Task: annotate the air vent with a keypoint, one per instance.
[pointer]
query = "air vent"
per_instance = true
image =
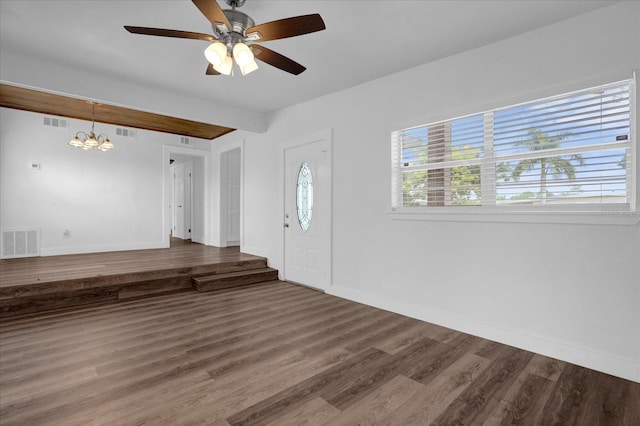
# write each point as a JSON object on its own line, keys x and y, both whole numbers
{"x": 125, "y": 133}
{"x": 20, "y": 243}
{"x": 55, "y": 122}
{"x": 185, "y": 141}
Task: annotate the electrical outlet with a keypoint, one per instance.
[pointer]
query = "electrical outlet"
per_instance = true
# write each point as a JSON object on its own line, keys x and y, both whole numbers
{"x": 66, "y": 234}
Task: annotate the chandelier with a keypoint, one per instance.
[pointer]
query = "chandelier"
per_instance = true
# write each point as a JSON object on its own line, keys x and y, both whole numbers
{"x": 91, "y": 141}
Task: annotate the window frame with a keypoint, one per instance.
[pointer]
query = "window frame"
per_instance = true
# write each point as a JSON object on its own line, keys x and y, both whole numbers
{"x": 604, "y": 213}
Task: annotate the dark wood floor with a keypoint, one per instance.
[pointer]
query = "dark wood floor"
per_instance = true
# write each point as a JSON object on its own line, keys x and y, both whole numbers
{"x": 182, "y": 254}
{"x": 282, "y": 354}
{"x": 33, "y": 285}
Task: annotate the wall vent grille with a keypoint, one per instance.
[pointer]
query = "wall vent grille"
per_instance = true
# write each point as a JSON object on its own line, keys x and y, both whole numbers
{"x": 185, "y": 141}
{"x": 125, "y": 132}
{"x": 55, "y": 122}
{"x": 20, "y": 243}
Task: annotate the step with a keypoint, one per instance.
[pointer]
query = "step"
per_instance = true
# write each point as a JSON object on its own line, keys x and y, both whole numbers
{"x": 234, "y": 279}
{"x": 60, "y": 299}
{"x": 68, "y": 293}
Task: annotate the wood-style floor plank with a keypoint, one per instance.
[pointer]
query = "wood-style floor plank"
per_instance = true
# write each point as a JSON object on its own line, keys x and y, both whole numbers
{"x": 281, "y": 354}
{"x": 384, "y": 400}
{"x": 483, "y": 395}
{"x": 524, "y": 402}
{"x": 316, "y": 412}
{"x": 425, "y": 406}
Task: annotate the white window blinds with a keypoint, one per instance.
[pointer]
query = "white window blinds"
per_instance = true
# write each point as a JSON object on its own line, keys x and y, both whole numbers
{"x": 573, "y": 149}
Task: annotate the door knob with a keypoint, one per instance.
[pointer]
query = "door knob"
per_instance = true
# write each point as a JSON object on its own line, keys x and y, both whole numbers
{"x": 286, "y": 225}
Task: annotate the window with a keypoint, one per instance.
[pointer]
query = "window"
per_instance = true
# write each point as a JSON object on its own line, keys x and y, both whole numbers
{"x": 304, "y": 196}
{"x": 561, "y": 153}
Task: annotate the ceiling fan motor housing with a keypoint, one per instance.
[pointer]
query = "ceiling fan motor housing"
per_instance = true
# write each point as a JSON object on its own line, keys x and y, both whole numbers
{"x": 239, "y": 21}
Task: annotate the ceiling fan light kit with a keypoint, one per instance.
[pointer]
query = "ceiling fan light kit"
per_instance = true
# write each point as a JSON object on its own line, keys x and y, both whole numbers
{"x": 242, "y": 54}
{"x": 250, "y": 67}
{"x": 216, "y": 53}
{"x": 226, "y": 67}
{"x": 232, "y": 30}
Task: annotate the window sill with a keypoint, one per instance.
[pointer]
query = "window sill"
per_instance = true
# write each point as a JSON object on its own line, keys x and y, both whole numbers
{"x": 603, "y": 216}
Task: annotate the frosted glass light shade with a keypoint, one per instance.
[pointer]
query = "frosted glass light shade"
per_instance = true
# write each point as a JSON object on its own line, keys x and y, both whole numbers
{"x": 250, "y": 67}
{"x": 76, "y": 143}
{"x": 92, "y": 142}
{"x": 216, "y": 53}
{"x": 225, "y": 67}
{"x": 106, "y": 145}
{"x": 242, "y": 54}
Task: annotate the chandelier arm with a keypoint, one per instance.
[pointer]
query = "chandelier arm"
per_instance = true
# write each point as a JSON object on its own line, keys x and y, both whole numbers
{"x": 83, "y": 134}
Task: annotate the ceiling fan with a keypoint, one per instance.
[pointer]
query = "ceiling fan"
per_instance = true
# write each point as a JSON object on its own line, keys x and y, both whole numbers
{"x": 232, "y": 30}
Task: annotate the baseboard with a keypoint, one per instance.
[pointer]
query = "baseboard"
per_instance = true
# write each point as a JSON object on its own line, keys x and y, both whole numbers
{"x": 604, "y": 362}
{"x": 58, "y": 251}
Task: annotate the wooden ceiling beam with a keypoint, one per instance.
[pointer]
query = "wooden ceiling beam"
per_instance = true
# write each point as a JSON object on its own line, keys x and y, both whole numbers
{"x": 65, "y": 106}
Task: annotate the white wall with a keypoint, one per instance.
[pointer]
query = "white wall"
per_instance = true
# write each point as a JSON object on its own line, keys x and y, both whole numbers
{"x": 566, "y": 290}
{"x": 108, "y": 201}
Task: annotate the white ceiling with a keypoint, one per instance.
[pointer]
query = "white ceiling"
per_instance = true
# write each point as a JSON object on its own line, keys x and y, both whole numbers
{"x": 364, "y": 40}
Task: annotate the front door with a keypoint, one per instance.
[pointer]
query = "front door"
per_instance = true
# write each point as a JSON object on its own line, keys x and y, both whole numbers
{"x": 307, "y": 214}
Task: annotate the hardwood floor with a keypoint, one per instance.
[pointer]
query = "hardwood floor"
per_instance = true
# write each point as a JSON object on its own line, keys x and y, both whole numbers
{"x": 281, "y": 354}
{"x": 31, "y": 285}
{"x": 182, "y": 254}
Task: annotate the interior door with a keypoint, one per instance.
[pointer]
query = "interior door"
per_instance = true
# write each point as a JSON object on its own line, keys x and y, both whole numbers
{"x": 307, "y": 214}
{"x": 182, "y": 201}
{"x": 233, "y": 197}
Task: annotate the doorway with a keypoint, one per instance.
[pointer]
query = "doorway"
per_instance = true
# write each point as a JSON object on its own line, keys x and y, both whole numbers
{"x": 196, "y": 209}
{"x": 307, "y": 212}
{"x": 181, "y": 199}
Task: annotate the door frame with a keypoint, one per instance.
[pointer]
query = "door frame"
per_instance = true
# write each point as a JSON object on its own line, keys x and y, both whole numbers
{"x": 220, "y": 239}
{"x": 324, "y": 135}
{"x": 167, "y": 150}
{"x": 190, "y": 192}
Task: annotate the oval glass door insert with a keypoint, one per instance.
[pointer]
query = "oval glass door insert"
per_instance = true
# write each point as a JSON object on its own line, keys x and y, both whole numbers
{"x": 304, "y": 196}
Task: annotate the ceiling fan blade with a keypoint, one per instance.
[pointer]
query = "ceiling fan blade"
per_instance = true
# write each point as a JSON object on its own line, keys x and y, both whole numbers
{"x": 213, "y": 12}
{"x": 288, "y": 27}
{"x": 211, "y": 70}
{"x": 169, "y": 33}
{"x": 277, "y": 60}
